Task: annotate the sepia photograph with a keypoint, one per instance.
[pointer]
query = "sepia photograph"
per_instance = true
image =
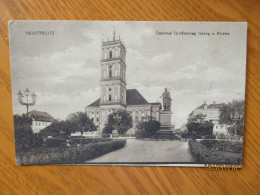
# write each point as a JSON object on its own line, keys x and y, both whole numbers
{"x": 128, "y": 93}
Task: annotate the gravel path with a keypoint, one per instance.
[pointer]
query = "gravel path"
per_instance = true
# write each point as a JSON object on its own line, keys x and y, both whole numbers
{"x": 148, "y": 151}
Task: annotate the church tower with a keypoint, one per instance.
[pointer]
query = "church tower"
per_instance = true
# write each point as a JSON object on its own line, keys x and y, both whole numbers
{"x": 113, "y": 77}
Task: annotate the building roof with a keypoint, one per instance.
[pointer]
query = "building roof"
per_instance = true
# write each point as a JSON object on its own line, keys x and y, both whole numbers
{"x": 95, "y": 103}
{"x": 40, "y": 116}
{"x": 133, "y": 97}
{"x": 156, "y": 103}
{"x": 210, "y": 106}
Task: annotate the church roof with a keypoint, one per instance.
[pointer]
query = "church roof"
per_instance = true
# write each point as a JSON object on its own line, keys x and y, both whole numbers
{"x": 133, "y": 97}
{"x": 40, "y": 116}
{"x": 95, "y": 103}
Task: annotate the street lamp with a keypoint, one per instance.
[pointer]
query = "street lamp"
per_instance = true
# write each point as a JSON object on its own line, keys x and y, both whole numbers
{"x": 25, "y": 101}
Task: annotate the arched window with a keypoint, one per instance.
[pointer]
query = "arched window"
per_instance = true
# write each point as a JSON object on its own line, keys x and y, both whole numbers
{"x": 110, "y": 54}
{"x": 110, "y": 98}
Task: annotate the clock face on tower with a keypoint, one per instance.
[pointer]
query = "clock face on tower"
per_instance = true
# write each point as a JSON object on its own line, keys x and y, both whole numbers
{"x": 113, "y": 70}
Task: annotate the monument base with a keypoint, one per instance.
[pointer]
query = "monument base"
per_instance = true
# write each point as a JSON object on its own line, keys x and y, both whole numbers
{"x": 165, "y": 120}
{"x": 166, "y": 129}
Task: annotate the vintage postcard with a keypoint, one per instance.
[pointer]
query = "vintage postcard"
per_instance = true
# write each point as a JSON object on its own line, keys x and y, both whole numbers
{"x": 128, "y": 93}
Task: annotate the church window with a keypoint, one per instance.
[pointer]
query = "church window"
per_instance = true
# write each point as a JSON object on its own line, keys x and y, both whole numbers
{"x": 110, "y": 98}
{"x": 110, "y": 54}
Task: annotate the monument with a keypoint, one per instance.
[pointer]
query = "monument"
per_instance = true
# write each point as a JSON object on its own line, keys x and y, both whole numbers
{"x": 166, "y": 113}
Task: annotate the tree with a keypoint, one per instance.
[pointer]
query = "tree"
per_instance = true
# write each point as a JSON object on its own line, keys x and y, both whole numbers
{"x": 205, "y": 128}
{"x": 60, "y": 128}
{"x": 147, "y": 129}
{"x": 25, "y": 139}
{"x": 196, "y": 118}
{"x": 151, "y": 127}
{"x": 140, "y": 132}
{"x": 197, "y": 126}
{"x": 232, "y": 114}
{"x": 82, "y": 122}
{"x": 118, "y": 120}
{"x": 78, "y": 121}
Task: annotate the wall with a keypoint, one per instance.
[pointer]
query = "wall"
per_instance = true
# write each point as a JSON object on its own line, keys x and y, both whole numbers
{"x": 37, "y": 126}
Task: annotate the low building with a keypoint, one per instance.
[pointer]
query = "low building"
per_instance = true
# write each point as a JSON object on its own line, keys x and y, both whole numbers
{"x": 210, "y": 112}
{"x": 40, "y": 120}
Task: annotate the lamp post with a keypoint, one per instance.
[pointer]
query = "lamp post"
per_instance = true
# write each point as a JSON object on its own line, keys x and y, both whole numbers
{"x": 24, "y": 99}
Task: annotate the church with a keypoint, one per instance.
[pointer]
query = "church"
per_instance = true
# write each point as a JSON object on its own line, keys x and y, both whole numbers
{"x": 114, "y": 94}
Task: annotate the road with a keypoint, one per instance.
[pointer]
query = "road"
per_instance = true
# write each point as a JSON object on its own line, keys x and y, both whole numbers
{"x": 148, "y": 151}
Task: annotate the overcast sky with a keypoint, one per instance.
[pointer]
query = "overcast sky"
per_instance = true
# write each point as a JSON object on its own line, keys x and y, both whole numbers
{"x": 64, "y": 69}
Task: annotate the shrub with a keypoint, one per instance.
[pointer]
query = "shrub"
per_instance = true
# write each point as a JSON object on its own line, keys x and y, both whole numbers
{"x": 147, "y": 129}
{"x": 82, "y": 141}
{"x": 140, "y": 133}
{"x": 55, "y": 142}
{"x": 107, "y": 129}
{"x": 216, "y": 151}
{"x": 68, "y": 155}
{"x": 210, "y": 137}
{"x": 151, "y": 127}
{"x": 25, "y": 139}
{"x": 200, "y": 128}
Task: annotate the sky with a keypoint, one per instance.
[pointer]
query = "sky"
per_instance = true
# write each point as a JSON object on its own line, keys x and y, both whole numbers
{"x": 63, "y": 69}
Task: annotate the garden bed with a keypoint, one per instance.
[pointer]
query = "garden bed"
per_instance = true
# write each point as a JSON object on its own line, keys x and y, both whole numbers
{"x": 67, "y": 155}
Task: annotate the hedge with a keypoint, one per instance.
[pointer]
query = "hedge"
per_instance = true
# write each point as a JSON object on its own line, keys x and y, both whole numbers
{"x": 55, "y": 142}
{"x": 68, "y": 155}
{"x": 81, "y": 141}
{"x": 216, "y": 151}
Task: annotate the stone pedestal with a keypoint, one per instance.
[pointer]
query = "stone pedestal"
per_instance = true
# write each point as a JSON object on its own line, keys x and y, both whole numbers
{"x": 165, "y": 120}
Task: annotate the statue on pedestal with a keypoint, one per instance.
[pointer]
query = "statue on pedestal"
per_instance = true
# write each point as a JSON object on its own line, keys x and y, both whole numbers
{"x": 167, "y": 100}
